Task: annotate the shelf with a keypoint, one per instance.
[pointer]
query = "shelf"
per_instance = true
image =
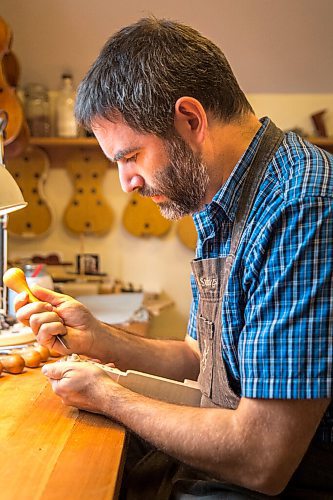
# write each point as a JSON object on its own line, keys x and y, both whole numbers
{"x": 48, "y": 142}
{"x": 91, "y": 141}
{"x": 322, "y": 142}
{"x": 58, "y": 148}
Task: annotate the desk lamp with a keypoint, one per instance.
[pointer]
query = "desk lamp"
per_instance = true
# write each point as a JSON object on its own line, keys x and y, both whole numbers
{"x": 11, "y": 199}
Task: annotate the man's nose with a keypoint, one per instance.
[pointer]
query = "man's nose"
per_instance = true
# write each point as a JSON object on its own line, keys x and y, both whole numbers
{"x": 130, "y": 181}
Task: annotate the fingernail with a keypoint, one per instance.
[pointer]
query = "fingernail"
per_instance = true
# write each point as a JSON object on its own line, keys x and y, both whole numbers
{"x": 44, "y": 370}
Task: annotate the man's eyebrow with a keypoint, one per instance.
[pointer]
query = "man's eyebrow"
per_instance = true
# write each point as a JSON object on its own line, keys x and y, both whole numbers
{"x": 124, "y": 152}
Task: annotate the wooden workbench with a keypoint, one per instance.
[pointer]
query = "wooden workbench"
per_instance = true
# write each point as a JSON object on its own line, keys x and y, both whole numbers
{"x": 51, "y": 451}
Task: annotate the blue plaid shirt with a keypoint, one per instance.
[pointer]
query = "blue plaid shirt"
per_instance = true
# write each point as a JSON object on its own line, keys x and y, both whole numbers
{"x": 277, "y": 312}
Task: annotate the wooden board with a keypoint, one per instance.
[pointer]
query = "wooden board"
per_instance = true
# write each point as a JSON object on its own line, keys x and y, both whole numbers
{"x": 52, "y": 451}
{"x": 186, "y": 393}
{"x": 19, "y": 336}
{"x": 186, "y": 232}
{"x": 142, "y": 218}
{"x": 88, "y": 211}
{"x": 30, "y": 172}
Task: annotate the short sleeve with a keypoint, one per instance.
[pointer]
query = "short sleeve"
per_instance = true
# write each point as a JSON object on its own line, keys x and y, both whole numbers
{"x": 285, "y": 348}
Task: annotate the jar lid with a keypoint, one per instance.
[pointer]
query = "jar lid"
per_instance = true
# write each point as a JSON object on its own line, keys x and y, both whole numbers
{"x": 35, "y": 90}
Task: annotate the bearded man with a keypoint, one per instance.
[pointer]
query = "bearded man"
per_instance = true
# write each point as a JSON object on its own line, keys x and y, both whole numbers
{"x": 165, "y": 105}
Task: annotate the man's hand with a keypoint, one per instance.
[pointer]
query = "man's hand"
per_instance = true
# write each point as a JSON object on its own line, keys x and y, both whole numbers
{"x": 83, "y": 385}
{"x": 58, "y": 314}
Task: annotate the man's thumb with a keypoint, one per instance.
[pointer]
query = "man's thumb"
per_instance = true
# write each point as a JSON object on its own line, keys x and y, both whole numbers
{"x": 47, "y": 295}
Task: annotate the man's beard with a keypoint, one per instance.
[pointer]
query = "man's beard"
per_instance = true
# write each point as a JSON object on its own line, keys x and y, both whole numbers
{"x": 183, "y": 181}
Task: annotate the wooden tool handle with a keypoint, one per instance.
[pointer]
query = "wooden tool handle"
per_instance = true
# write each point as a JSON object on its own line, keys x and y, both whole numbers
{"x": 14, "y": 279}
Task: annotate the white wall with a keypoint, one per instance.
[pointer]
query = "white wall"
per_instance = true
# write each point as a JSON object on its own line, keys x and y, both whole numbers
{"x": 273, "y": 46}
{"x": 280, "y": 51}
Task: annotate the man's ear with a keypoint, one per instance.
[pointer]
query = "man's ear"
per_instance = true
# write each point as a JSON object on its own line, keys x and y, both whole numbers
{"x": 190, "y": 121}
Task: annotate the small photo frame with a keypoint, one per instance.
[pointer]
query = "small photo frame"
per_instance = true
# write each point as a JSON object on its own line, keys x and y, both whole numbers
{"x": 87, "y": 263}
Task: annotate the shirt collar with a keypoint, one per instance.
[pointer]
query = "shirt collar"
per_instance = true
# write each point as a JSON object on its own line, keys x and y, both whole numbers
{"x": 224, "y": 204}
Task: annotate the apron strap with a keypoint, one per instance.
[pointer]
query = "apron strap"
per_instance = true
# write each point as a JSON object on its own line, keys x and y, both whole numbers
{"x": 268, "y": 145}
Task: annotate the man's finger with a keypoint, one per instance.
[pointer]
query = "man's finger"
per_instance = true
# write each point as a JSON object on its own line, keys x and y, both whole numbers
{"x": 20, "y": 300}
{"x": 55, "y": 371}
{"x": 46, "y": 295}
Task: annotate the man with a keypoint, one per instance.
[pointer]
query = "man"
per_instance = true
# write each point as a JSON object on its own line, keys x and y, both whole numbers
{"x": 164, "y": 104}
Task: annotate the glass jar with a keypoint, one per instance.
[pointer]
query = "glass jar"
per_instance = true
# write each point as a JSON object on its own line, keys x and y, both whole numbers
{"x": 37, "y": 273}
{"x": 37, "y": 110}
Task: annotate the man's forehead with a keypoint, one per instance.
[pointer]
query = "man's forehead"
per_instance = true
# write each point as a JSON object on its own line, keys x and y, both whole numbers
{"x": 118, "y": 134}
{"x": 117, "y": 139}
{"x": 101, "y": 124}
{"x": 112, "y": 133}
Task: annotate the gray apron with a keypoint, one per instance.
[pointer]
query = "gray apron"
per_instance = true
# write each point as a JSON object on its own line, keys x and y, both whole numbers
{"x": 160, "y": 477}
{"x": 211, "y": 277}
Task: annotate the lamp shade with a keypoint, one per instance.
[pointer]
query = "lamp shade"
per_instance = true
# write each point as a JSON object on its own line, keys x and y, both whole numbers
{"x": 11, "y": 198}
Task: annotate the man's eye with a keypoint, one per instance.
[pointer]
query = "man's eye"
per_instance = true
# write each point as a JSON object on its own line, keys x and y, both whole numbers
{"x": 131, "y": 158}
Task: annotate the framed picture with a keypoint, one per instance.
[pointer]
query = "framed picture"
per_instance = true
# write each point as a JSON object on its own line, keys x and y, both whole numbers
{"x": 87, "y": 263}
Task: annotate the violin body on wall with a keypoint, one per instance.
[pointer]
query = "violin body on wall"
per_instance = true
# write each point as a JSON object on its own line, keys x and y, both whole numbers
{"x": 88, "y": 211}
{"x": 143, "y": 218}
{"x": 9, "y": 101}
{"x": 30, "y": 172}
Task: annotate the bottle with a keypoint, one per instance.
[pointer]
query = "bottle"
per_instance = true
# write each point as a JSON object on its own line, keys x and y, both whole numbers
{"x": 37, "y": 273}
{"x": 37, "y": 110}
{"x": 65, "y": 120}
